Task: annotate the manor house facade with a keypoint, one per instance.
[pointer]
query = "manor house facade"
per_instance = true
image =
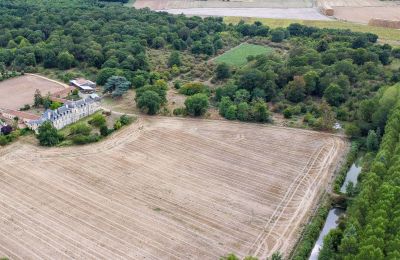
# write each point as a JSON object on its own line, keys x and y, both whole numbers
{"x": 69, "y": 113}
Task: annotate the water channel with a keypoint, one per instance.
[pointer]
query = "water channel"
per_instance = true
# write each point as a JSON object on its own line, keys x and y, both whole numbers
{"x": 334, "y": 214}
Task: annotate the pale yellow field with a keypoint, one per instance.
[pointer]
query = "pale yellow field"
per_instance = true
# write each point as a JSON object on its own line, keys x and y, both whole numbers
{"x": 164, "y": 188}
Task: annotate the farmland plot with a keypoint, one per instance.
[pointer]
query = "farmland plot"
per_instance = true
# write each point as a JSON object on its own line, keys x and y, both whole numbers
{"x": 16, "y": 92}
{"x": 164, "y": 188}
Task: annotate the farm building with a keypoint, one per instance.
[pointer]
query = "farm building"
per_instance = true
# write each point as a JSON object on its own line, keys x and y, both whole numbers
{"x": 69, "y": 113}
{"x": 84, "y": 85}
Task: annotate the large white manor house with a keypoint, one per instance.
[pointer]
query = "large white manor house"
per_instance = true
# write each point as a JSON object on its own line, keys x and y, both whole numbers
{"x": 69, "y": 113}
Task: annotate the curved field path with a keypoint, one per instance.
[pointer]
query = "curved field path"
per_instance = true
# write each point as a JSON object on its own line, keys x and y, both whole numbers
{"x": 165, "y": 188}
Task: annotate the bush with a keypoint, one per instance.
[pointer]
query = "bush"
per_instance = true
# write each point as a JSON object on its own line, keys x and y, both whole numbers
{"x": 25, "y": 107}
{"x": 85, "y": 139}
{"x": 287, "y": 112}
{"x": 98, "y": 120}
{"x": 6, "y": 130}
{"x": 180, "y": 111}
{"x": 55, "y": 105}
{"x": 197, "y": 104}
{"x": 80, "y": 129}
{"x": 104, "y": 130}
{"x": 125, "y": 120}
{"x": 231, "y": 113}
{"x": 117, "y": 125}
{"x": 189, "y": 89}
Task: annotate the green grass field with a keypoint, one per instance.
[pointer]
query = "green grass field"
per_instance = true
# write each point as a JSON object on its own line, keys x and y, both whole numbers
{"x": 387, "y": 35}
{"x": 237, "y": 56}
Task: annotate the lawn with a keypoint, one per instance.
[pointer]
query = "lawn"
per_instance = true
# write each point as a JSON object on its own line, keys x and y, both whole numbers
{"x": 387, "y": 35}
{"x": 237, "y": 56}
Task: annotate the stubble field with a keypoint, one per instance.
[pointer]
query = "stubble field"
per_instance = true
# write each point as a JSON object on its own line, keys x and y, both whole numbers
{"x": 164, "y": 188}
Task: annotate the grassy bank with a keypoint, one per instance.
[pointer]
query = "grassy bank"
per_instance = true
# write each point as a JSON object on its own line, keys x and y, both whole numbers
{"x": 385, "y": 34}
{"x": 311, "y": 231}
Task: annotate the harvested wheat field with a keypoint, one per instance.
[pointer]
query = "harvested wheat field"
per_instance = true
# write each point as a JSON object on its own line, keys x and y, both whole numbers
{"x": 182, "y": 4}
{"x": 18, "y": 91}
{"x": 164, "y": 188}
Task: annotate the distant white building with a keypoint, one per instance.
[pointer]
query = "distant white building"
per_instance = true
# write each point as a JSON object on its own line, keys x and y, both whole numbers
{"x": 69, "y": 113}
{"x": 84, "y": 85}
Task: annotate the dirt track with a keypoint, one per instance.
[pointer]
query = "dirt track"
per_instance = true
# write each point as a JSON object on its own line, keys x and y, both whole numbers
{"x": 164, "y": 188}
{"x": 182, "y": 4}
{"x": 280, "y": 13}
{"x": 16, "y": 92}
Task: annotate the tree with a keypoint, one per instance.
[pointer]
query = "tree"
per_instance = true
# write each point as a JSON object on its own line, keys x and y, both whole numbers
{"x": 105, "y": 74}
{"x": 48, "y": 135}
{"x": 260, "y": 111}
{"x": 295, "y": 90}
{"x": 243, "y": 111}
{"x": 334, "y": 94}
{"x": 223, "y": 106}
{"x": 231, "y": 112}
{"x": 251, "y": 79}
{"x": 197, "y": 104}
{"x": 372, "y": 141}
{"x": 55, "y": 105}
{"x": 6, "y": 130}
{"x": 242, "y": 95}
{"x": 117, "y": 86}
{"x": 223, "y": 71}
{"x": 37, "y": 98}
{"x": 65, "y": 60}
{"x": 174, "y": 59}
{"x": 149, "y": 102}
{"x": 277, "y": 35}
{"x": 327, "y": 116}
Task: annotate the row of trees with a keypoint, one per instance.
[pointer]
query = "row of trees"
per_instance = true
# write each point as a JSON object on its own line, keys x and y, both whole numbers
{"x": 372, "y": 228}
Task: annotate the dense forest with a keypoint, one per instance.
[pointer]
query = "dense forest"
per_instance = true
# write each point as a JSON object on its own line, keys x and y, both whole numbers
{"x": 372, "y": 227}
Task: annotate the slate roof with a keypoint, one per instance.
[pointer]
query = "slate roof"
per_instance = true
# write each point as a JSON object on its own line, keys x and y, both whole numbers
{"x": 51, "y": 115}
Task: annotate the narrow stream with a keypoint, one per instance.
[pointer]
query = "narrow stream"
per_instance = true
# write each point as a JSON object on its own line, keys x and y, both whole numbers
{"x": 331, "y": 223}
{"x": 352, "y": 175}
{"x": 335, "y": 213}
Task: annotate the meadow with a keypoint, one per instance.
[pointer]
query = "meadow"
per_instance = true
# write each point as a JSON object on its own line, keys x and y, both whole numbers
{"x": 237, "y": 56}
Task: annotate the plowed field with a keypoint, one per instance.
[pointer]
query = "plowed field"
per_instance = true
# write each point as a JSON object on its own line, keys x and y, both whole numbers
{"x": 164, "y": 188}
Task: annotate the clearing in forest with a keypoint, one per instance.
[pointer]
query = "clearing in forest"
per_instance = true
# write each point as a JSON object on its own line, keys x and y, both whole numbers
{"x": 237, "y": 56}
{"x": 165, "y": 188}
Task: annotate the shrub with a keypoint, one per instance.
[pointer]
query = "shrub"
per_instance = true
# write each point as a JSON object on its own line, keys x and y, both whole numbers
{"x": 25, "y": 107}
{"x": 192, "y": 88}
{"x": 117, "y": 125}
{"x": 231, "y": 113}
{"x": 85, "y": 139}
{"x": 80, "y": 129}
{"x": 98, "y": 120}
{"x": 287, "y": 112}
{"x": 6, "y": 130}
{"x": 125, "y": 120}
{"x": 55, "y": 105}
{"x": 197, "y": 104}
{"x": 180, "y": 111}
{"x": 104, "y": 130}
